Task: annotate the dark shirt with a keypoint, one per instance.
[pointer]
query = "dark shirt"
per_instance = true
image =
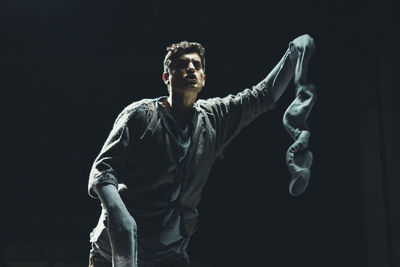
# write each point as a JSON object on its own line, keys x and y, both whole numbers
{"x": 163, "y": 190}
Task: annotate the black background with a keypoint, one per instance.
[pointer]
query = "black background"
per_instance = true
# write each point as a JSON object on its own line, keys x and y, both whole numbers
{"x": 68, "y": 68}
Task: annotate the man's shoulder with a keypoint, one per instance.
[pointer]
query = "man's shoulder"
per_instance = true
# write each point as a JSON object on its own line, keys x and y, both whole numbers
{"x": 141, "y": 105}
{"x": 137, "y": 110}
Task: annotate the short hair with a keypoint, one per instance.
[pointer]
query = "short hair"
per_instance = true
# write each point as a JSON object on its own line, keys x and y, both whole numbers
{"x": 174, "y": 51}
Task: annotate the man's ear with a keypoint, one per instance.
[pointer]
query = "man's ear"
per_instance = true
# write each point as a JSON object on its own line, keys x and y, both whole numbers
{"x": 165, "y": 78}
{"x": 204, "y": 79}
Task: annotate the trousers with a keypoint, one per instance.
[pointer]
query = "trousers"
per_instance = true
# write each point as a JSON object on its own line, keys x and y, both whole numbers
{"x": 97, "y": 260}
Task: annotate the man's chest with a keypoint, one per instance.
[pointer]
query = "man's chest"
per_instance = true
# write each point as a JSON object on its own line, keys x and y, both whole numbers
{"x": 161, "y": 147}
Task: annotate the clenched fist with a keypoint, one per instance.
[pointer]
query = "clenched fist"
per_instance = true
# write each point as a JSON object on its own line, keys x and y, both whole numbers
{"x": 301, "y": 50}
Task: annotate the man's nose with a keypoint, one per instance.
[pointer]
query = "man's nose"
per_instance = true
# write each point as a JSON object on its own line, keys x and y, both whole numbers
{"x": 191, "y": 67}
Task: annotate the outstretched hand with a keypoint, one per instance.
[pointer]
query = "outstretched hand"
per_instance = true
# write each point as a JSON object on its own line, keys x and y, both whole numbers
{"x": 304, "y": 43}
{"x": 301, "y": 48}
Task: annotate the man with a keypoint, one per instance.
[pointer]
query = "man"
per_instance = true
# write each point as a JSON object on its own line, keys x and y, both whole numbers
{"x": 159, "y": 155}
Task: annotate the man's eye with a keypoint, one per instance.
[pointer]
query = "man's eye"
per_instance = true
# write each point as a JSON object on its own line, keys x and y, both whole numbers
{"x": 180, "y": 64}
{"x": 197, "y": 65}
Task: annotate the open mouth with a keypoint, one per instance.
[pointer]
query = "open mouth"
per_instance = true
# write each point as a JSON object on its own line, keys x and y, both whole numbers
{"x": 191, "y": 78}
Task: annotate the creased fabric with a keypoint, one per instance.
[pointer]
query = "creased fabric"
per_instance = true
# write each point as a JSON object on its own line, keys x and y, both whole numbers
{"x": 299, "y": 156}
{"x": 162, "y": 188}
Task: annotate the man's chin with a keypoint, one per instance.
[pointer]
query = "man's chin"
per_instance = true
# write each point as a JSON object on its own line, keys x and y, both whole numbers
{"x": 192, "y": 87}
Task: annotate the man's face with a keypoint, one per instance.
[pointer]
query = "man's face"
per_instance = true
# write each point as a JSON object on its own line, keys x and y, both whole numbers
{"x": 186, "y": 73}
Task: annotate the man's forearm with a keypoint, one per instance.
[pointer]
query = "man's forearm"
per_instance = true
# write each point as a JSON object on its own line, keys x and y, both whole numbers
{"x": 281, "y": 75}
{"x": 121, "y": 227}
{"x": 279, "y": 78}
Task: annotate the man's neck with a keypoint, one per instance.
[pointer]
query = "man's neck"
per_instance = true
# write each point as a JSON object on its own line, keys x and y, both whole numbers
{"x": 181, "y": 106}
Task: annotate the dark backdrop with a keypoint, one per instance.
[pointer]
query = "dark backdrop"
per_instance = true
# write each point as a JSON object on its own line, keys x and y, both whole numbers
{"x": 68, "y": 68}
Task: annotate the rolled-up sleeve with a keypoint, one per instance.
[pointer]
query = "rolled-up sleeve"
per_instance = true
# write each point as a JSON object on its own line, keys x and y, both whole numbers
{"x": 110, "y": 162}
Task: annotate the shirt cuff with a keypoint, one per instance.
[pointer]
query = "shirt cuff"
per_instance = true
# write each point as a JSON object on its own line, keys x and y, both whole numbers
{"x": 105, "y": 177}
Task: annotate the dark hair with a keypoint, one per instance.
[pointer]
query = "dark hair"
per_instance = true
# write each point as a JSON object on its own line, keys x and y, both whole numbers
{"x": 174, "y": 51}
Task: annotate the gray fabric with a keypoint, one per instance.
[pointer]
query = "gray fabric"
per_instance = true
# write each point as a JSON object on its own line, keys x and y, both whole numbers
{"x": 163, "y": 192}
{"x": 298, "y": 156}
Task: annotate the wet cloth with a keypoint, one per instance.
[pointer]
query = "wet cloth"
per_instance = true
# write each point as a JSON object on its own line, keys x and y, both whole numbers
{"x": 299, "y": 156}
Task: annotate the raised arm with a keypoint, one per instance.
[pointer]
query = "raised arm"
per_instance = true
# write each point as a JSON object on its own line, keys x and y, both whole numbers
{"x": 233, "y": 112}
